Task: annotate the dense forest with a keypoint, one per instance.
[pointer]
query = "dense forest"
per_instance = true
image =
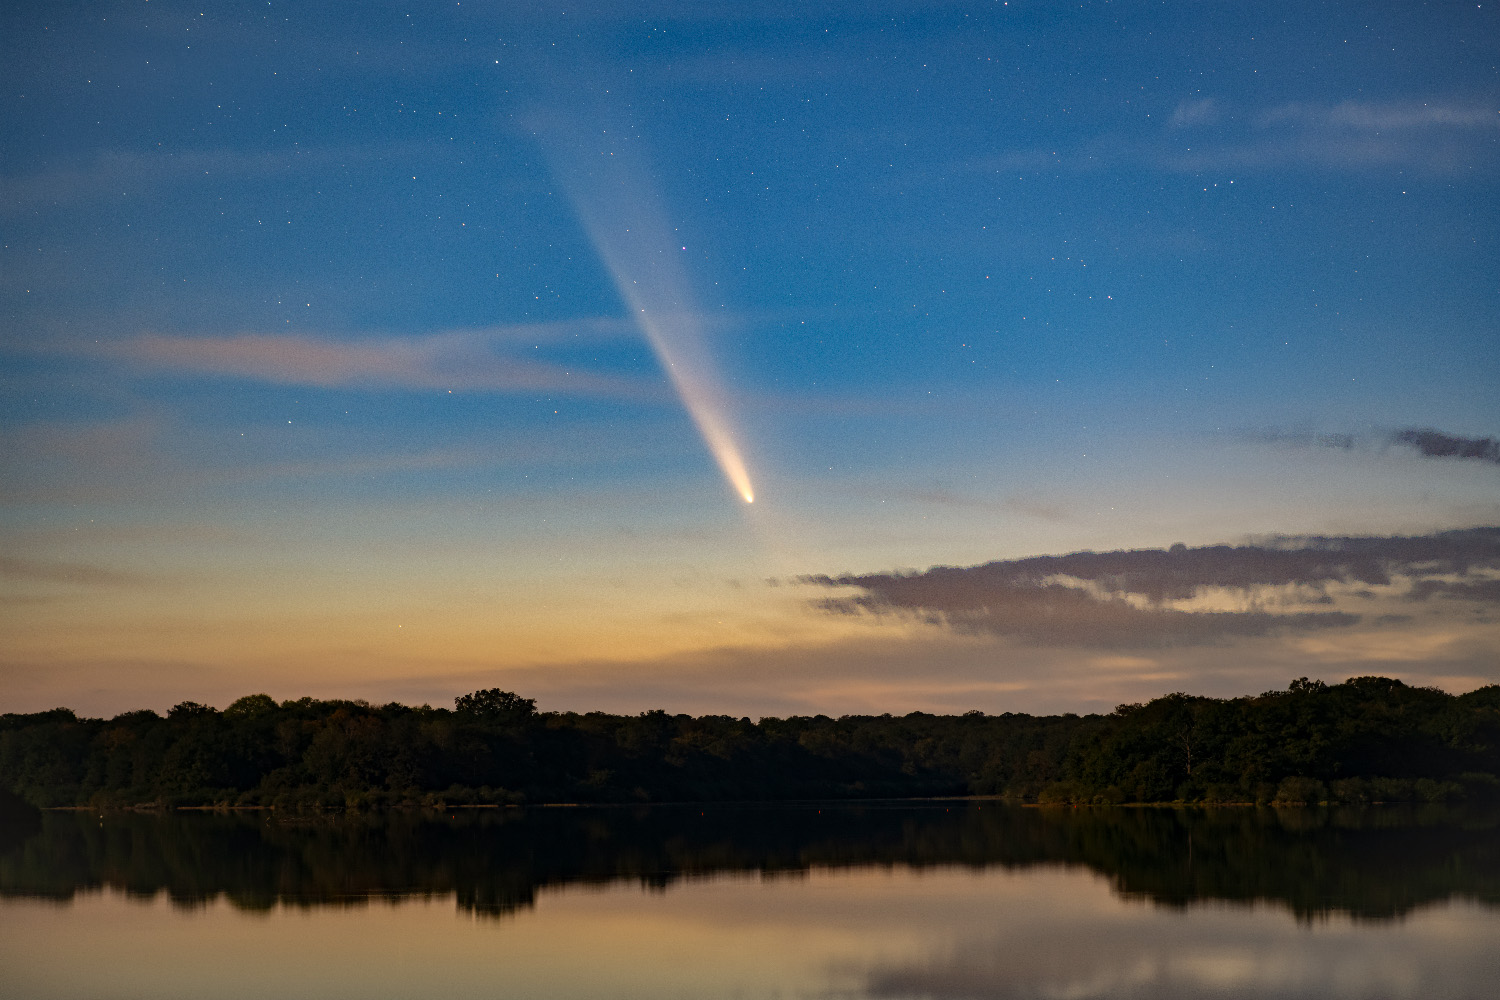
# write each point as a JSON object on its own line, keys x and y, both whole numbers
{"x": 1368, "y": 739}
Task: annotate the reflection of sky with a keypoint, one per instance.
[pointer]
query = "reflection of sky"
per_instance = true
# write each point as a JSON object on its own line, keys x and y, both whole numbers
{"x": 316, "y": 374}
{"x": 890, "y": 933}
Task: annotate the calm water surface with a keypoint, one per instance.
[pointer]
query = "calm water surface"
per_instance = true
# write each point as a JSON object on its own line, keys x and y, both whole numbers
{"x": 898, "y": 900}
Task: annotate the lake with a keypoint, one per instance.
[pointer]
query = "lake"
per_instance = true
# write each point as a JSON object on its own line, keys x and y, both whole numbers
{"x": 903, "y": 899}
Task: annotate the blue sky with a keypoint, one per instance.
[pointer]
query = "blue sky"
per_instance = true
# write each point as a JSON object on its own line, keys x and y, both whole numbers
{"x": 324, "y": 322}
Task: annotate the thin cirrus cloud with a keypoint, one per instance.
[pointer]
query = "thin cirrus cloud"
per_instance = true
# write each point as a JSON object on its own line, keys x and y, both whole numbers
{"x": 466, "y": 359}
{"x": 1439, "y": 136}
{"x": 1206, "y": 134}
{"x": 1377, "y": 117}
{"x": 109, "y": 171}
{"x": 1201, "y": 112}
{"x": 1152, "y": 597}
{"x": 68, "y": 573}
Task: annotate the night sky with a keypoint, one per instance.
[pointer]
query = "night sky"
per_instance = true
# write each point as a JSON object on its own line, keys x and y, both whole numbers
{"x": 379, "y": 351}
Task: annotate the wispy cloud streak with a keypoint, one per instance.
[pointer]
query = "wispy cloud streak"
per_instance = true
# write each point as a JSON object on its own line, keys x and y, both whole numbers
{"x": 1441, "y": 137}
{"x": 74, "y": 574}
{"x": 467, "y": 359}
{"x": 1384, "y": 117}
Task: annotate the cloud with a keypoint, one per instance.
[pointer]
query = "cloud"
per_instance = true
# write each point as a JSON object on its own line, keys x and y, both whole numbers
{"x": 1440, "y": 137}
{"x": 1425, "y": 441}
{"x": 1304, "y": 439}
{"x": 110, "y": 171}
{"x": 77, "y": 574}
{"x": 155, "y": 458}
{"x": 1061, "y": 613}
{"x": 1391, "y": 116}
{"x": 1326, "y": 151}
{"x": 1204, "y": 112}
{"x": 1029, "y": 506}
{"x": 1151, "y": 597}
{"x": 1448, "y": 141}
{"x": 1436, "y": 444}
{"x": 76, "y": 461}
{"x": 472, "y": 360}
{"x": 1485, "y": 589}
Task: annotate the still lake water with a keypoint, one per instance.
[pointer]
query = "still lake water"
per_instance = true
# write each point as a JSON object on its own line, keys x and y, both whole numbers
{"x": 939, "y": 900}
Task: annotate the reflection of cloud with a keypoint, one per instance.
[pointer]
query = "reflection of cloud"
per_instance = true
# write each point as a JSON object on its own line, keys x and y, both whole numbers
{"x": 457, "y": 360}
{"x": 1156, "y": 596}
{"x": 1073, "y": 946}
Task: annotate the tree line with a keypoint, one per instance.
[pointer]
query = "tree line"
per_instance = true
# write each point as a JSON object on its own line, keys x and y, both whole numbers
{"x": 1369, "y": 739}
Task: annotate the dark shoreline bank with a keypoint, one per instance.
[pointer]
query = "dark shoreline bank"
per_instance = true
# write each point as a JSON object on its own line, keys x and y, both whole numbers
{"x": 1367, "y": 740}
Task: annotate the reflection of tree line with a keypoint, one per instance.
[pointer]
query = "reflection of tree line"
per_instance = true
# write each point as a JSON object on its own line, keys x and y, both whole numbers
{"x": 1369, "y": 739}
{"x": 1372, "y": 862}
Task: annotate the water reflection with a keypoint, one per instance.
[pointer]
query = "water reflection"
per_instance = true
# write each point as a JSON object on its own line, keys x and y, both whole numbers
{"x": 1371, "y": 863}
{"x": 940, "y": 901}
{"x": 1051, "y": 942}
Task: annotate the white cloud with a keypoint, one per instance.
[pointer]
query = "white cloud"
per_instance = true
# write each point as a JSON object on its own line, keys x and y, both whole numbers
{"x": 1204, "y": 112}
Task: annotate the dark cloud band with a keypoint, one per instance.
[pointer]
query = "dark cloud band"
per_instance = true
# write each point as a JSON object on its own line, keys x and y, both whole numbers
{"x": 1436, "y": 444}
{"x": 1124, "y": 598}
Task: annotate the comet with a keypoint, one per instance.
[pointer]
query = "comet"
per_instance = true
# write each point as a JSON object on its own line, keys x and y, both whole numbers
{"x": 609, "y": 186}
{"x": 673, "y": 337}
